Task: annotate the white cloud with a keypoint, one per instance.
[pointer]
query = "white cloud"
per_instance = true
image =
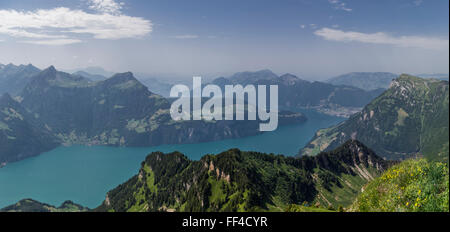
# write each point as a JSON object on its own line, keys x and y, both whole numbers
{"x": 184, "y": 36}
{"x": 303, "y": 26}
{"x": 384, "y": 38}
{"x": 106, "y": 6}
{"x": 339, "y": 5}
{"x": 53, "y": 42}
{"x": 63, "y": 24}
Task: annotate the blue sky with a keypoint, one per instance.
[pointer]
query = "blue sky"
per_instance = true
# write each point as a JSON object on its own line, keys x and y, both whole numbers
{"x": 315, "y": 39}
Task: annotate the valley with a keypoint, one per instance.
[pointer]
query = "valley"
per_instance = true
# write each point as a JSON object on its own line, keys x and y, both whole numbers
{"x": 92, "y": 136}
{"x": 181, "y": 110}
{"x": 118, "y": 111}
{"x": 84, "y": 174}
{"x": 409, "y": 119}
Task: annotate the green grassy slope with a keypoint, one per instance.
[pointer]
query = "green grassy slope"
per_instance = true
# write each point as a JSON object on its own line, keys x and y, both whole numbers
{"x": 409, "y": 119}
{"x": 246, "y": 181}
{"x": 411, "y": 186}
{"x": 29, "y": 205}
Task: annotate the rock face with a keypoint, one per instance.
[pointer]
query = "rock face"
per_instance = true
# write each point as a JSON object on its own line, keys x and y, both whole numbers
{"x": 246, "y": 181}
{"x": 21, "y": 134}
{"x": 410, "y": 118}
{"x": 119, "y": 111}
{"x": 78, "y": 110}
{"x": 14, "y": 78}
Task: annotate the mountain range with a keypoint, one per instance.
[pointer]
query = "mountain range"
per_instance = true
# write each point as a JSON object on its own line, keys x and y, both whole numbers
{"x": 30, "y": 205}
{"x": 92, "y": 70}
{"x": 294, "y": 92}
{"x": 297, "y": 93}
{"x": 350, "y": 178}
{"x": 92, "y": 77}
{"x": 364, "y": 80}
{"x": 408, "y": 119}
{"x": 21, "y": 134}
{"x": 119, "y": 111}
{"x": 14, "y": 78}
{"x": 439, "y": 76}
{"x": 246, "y": 181}
{"x": 155, "y": 85}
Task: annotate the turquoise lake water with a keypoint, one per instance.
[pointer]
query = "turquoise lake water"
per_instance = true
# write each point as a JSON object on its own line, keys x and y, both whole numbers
{"x": 85, "y": 174}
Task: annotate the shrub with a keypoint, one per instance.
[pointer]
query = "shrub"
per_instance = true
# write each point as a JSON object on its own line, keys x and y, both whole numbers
{"x": 414, "y": 185}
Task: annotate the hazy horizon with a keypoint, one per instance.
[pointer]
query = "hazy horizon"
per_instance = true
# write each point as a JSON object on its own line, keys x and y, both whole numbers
{"x": 314, "y": 40}
{"x": 173, "y": 78}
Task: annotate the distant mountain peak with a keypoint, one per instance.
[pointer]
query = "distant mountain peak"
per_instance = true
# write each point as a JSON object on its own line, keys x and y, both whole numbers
{"x": 370, "y": 73}
{"x": 288, "y": 75}
{"x": 53, "y": 77}
{"x": 124, "y": 80}
{"x": 364, "y": 80}
{"x": 126, "y": 76}
{"x": 92, "y": 77}
{"x": 290, "y": 79}
{"x": 406, "y": 76}
{"x": 21, "y": 66}
{"x": 408, "y": 119}
{"x": 249, "y": 77}
{"x": 14, "y": 78}
{"x": 439, "y": 76}
{"x": 51, "y": 68}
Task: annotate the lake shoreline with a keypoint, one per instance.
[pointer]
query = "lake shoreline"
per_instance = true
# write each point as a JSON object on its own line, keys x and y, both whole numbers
{"x": 84, "y": 174}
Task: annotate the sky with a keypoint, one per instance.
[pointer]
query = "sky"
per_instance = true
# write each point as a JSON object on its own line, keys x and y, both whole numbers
{"x": 314, "y": 39}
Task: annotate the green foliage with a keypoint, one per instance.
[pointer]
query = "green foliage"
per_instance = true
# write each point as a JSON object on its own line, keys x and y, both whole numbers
{"x": 21, "y": 135}
{"x": 30, "y": 205}
{"x": 299, "y": 208}
{"x": 118, "y": 111}
{"x": 409, "y": 118}
{"x": 244, "y": 181}
{"x": 411, "y": 186}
